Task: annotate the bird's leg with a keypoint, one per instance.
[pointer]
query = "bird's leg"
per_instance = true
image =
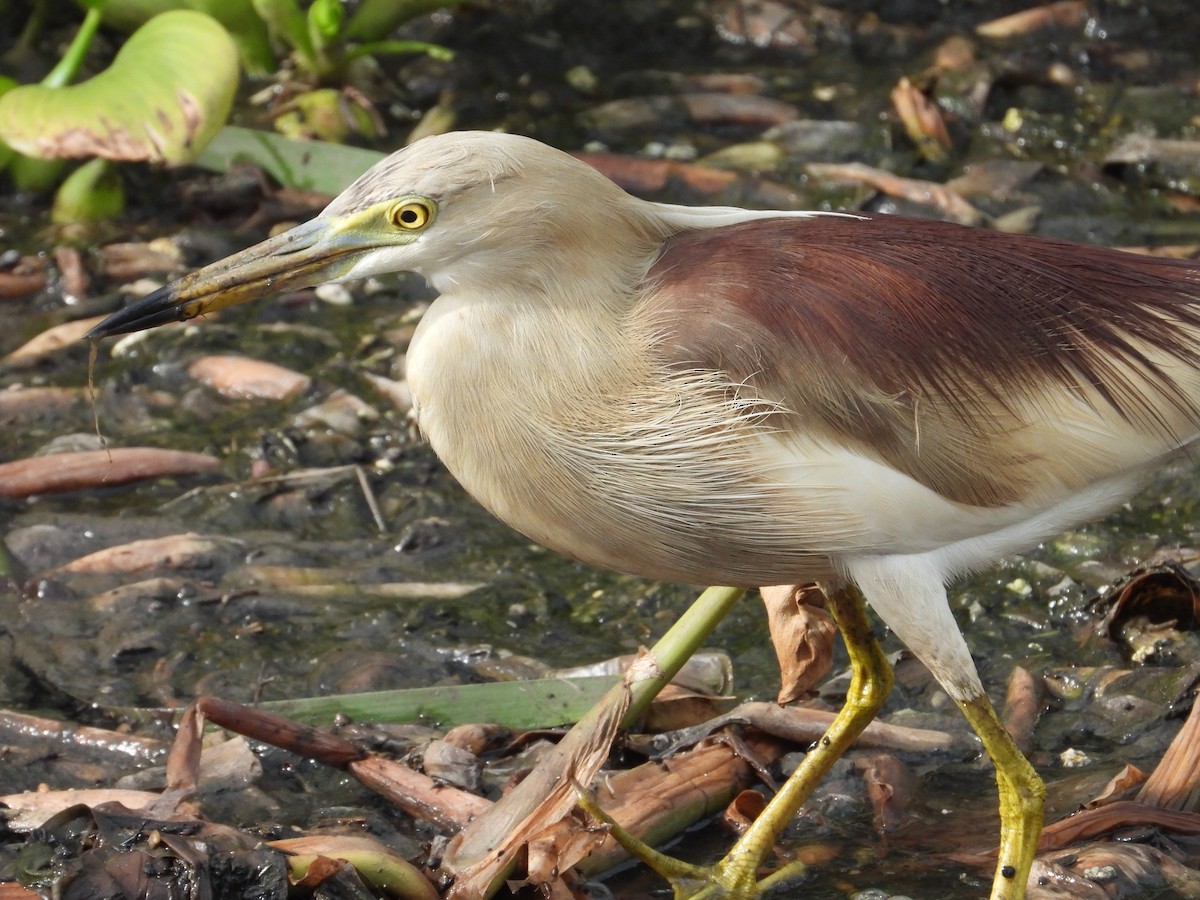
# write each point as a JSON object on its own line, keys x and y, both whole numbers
{"x": 909, "y": 594}
{"x": 736, "y": 876}
{"x": 1022, "y": 795}
{"x": 871, "y": 681}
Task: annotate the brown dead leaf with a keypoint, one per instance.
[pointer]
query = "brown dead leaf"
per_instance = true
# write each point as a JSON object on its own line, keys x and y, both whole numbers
{"x": 24, "y": 405}
{"x": 126, "y": 261}
{"x": 1023, "y": 705}
{"x": 477, "y": 738}
{"x": 677, "y": 707}
{"x": 1121, "y": 786}
{"x": 176, "y": 551}
{"x": 486, "y": 849}
{"x": 803, "y": 726}
{"x": 648, "y": 175}
{"x": 1067, "y": 13}
{"x": 718, "y": 108}
{"x": 1163, "y": 593}
{"x": 1175, "y": 782}
{"x": 71, "y": 270}
{"x": 803, "y": 634}
{"x": 922, "y": 120}
{"x": 1092, "y": 823}
{"x": 32, "y": 808}
{"x": 743, "y": 810}
{"x": 26, "y": 277}
{"x": 939, "y": 196}
{"x": 242, "y": 378}
{"x": 60, "y": 472}
{"x": 890, "y": 788}
{"x": 11, "y": 890}
{"x": 51, "y": 342}
{"x": 450, "y": 764}
{"x": 955, "y": 54}
{"x": 1112, "y": 871}
{"x": 395, "y": 392}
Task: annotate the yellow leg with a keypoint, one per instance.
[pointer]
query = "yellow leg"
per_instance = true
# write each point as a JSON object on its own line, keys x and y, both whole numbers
{"x": 1022, "y": 794}
{"x": 736, "y": 876}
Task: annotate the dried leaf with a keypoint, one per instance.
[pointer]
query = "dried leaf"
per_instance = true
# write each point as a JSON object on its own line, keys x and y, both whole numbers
{"x": 939, "y": 196}
{"x": 33, "y": 808}
{"x": 803, "y": 634}
{"x": 1175, "y": 782}
{"x": 51, "y": 341}
{"x": 60, "y": 472}
{"x": 1164, "y": 593}
{"x": 1023, "y": 705}
{"x": 1065, "y": 13}
{"x": 922, "y": 120}
{"x": 1121, "y": 786}
{"x": 177, "y": 551}
{"x": 889, "y": 787}
{"x": 242, "y": 378}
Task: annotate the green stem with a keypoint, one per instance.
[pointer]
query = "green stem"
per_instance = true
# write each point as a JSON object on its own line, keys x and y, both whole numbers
{"x": 68, "y": 67}
{"x": 375, "y": 19}
{"x": 679, "y": 643}
{"x": 32, "y": 29}
{"x": 481, "y": 837}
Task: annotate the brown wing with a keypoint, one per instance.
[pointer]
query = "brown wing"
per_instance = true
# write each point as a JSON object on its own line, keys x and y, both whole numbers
{"x": 945, "y": 351}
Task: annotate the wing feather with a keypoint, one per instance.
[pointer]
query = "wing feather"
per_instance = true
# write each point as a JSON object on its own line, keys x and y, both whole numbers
{"x": 991, "y": 368}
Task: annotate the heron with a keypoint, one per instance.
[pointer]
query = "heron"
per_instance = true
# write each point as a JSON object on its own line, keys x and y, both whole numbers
{"x": 714, "y": 395}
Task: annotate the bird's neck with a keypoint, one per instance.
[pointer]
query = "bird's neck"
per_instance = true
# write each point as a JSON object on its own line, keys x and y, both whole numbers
{"x": 489, "y": 368}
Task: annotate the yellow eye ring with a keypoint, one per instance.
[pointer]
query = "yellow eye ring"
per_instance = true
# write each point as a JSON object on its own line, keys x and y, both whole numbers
{"x": 411, "y": 215}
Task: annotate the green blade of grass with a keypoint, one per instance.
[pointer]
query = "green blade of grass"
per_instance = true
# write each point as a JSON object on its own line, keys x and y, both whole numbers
{"x": 539, "y": 703}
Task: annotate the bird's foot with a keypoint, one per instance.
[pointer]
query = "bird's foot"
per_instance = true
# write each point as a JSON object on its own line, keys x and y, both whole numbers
{"x": 733, "y": 878}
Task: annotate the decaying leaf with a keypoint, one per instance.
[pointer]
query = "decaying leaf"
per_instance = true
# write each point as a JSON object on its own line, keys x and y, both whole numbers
{"x": 1062, "y": 13}
{"x": 803, "y": 634}
{"x": 242, "y": 378}
{"x": 922, "y": 121}
{"x": 177, "y": 551}
{"x": 60, "y": 472}
{"x": 939, "y": 196}
{"x": 51, "y": 341}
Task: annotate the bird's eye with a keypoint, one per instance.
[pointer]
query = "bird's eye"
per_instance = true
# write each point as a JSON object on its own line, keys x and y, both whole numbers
{"x": 411, "y": 215}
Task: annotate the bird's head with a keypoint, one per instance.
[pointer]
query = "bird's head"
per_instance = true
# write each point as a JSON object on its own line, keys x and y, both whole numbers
{"x": 470, "y": 209}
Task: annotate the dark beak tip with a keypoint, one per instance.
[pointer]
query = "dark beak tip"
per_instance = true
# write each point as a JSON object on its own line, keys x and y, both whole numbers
{"x": 157, "y": 308}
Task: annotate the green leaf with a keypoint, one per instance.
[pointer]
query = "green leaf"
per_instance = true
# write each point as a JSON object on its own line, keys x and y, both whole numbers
{"x": 310, "y": 165}
{"x": 238, "y": 16}
{"x": 288, "y": 24}
{"x": 325, "y": 21}
{"x": 375, "y": 19}
{"x": 35, "y": 175}
{"x": 382, "y": 48}
{"x": 540, "y": 703}
{"x": 166, "y": 94}
{"x": 91, "y": 193}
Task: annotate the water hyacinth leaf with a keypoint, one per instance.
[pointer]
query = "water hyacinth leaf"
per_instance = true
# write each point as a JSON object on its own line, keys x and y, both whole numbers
{"x": 288, "y": 24}
{"x": 6, "y": 152}
{"x": 167, "y": 92}
{"x": 309, "y": 165}
{"x": 248, "y": 30}
{"x": 92, "y": 193}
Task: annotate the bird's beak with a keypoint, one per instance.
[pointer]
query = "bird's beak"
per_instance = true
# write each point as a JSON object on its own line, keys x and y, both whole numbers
{"x": 308, "y": 254}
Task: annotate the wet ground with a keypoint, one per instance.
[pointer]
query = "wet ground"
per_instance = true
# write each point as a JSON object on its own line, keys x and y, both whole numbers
{"x": 318, "y": 506}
